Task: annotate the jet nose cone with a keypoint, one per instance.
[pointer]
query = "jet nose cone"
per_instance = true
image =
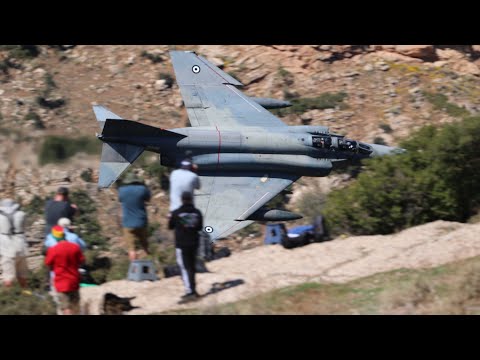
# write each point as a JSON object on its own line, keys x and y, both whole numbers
{"x": 382, "y": 150}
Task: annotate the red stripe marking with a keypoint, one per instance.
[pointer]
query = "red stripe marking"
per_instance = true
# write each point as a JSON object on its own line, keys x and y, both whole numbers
{"x": 219, "y": 145}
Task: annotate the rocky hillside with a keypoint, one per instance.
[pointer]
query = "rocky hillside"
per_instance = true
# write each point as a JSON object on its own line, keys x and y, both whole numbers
{"x": 265, "y": 268}
{"x": 387, "y": 91}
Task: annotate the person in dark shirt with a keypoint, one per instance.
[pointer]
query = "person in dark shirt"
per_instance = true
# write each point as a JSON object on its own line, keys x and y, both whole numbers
{"x": 57, "y": 208}
{"x": 187, "y": 222}
{"x": 133, "y": 194}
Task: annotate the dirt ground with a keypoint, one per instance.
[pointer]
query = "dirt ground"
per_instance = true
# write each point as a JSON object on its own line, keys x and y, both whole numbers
{"x": 264, "y": 268}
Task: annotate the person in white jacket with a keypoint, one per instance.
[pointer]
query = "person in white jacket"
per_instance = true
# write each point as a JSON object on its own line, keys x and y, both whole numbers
{"x": 13, "y": 245}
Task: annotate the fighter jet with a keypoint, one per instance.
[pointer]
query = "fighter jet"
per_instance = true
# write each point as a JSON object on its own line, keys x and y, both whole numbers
{"x": 245, "y": 155}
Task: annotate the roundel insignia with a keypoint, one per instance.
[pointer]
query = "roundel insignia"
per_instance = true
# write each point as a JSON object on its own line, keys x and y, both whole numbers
{"x": 196, "y": 69}
{"x": 208, "y": 229}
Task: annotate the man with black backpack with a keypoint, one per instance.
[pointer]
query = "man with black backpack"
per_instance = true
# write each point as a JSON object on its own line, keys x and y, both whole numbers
{"x": 187, "y": 222}
{"x": 13, "y": 246}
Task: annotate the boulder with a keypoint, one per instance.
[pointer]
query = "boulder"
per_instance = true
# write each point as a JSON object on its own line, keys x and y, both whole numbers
{"x": 466, "y": 67}
{"x": 449, "y": 54}
{"x": 161, "y": 85}
{"x": 424, "y": 52}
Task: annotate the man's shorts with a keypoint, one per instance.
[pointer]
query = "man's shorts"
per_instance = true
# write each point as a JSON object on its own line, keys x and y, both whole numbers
{"x": 135, "y": 237}
{"x": 15, "y": 267}
{"x": 69, "y": 300}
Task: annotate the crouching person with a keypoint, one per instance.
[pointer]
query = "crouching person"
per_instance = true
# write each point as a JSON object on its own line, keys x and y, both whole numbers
{"x": 64, "y": 259}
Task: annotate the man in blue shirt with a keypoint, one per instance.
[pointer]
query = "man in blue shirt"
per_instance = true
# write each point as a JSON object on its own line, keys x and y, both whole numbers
{"x": 70, "y": 236}
{"x": 133, "y": 194}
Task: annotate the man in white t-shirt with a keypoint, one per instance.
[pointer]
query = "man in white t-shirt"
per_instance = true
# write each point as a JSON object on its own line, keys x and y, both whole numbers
{"x": 182, "y": 180}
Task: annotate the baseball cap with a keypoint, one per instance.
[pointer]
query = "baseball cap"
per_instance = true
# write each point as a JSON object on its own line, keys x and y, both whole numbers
{"x": 186, "y": 163}
{"x": 64, "y": 222}
{"x": 62, "y": 190}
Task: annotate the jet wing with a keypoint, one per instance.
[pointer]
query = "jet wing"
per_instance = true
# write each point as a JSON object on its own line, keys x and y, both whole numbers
{"x": 227, "y": 200}
{"x": 211, "y": 97}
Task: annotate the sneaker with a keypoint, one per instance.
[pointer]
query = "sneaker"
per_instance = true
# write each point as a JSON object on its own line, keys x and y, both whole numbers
{"x": 189, "y": 297}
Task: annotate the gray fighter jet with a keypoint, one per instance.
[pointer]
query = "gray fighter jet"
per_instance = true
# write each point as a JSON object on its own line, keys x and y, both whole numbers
{"x": 245, "y": 154}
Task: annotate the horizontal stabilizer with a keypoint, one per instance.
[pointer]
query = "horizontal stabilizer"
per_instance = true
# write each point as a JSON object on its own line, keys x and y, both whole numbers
{"x": 117, "y": 130}
{"x": 116, "y": 158}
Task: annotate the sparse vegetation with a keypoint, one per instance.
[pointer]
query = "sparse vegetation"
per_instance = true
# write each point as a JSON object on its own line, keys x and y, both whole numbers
{"x": 386, "y": 128}
{"x": 49, "y": 83}
{"x": 252, "y": 229}
{"x": 154, "y": 58}
{"x": 286, "y": 76}
{"x": 325, "y": 101}
{"x": 379, "y": 141}
{"x": 37, "y": 120}
{"x": 87, "y": 175}
{"x": 167, "y": 77}
{"x": 57, "y": 149}
{"x": 14, "y": 302}
{"x": 311, "y": 206}
{"x": 36, "y": 206}
{"x": 86, "y": 221}
{"x": 440, "y": 102}
{"x": 448, "y": 289}
{"x": 21, "y": 51}
{"x": 50, "y": 103}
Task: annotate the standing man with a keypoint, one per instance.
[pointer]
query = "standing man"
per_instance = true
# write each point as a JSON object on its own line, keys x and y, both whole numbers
{"x": 51, "y": 241}
{"x": 187, "y": 222}
{"x": 58, "y": 208}
{"x": 182, "y": 180}
{"x": 13, "y": 246}
{"x": 64, "y": 259}
{"x": 133, "y": 195}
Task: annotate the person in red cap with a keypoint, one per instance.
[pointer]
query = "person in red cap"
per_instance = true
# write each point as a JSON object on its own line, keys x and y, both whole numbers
{"x": 64, "y": 259}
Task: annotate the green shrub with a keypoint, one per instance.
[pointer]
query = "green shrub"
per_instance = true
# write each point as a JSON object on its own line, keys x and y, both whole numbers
{"x": 86, "y": 221}
{"x": 37, "y": 120}
{"x": 56, "y": 149}
{"x": 325, "y": 101}
{"x": 119, "y": 269}
{"x": 440, "y": 102}
{"x": 36, "y": 206}
{"x": 87, "y": 175}
{"x": 437, "y": 178}
{"x": 21, "y": 51}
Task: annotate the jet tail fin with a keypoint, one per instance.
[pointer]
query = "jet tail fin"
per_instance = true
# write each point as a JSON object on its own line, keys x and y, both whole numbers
{"x": 102, "y": 114}
{"x": 192, "y": 69}
{"x": 116, "y": 157}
